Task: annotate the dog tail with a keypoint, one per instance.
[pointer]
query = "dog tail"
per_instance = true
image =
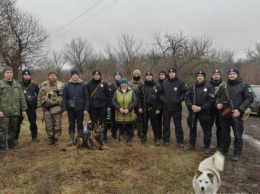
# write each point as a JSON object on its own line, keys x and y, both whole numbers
{"x": 219, "y": 160}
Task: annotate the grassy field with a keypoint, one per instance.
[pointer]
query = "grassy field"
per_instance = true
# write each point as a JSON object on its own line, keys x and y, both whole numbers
{"x": 41, "y": 168}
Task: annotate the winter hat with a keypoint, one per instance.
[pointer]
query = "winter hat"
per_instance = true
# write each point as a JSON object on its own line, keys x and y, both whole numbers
{"x": 234, "y": 70}
{"x": 172, "y": 70}
{"x": 117, "y": 73}
{"x": 7, "y": 68}
{"x": 96, "y": 72}
{"x": 26, "y": 71}
{"x": 136, "y": 72}
{"x": 149, "y": 73}
{"x": 201, "y": 72}
{"x": 53, "y": 72}
{"x": 163, "y": 71}
{"x": 74, "y": 71}
{"x": 123, "y": 81}
{"x": 216, "y": 71}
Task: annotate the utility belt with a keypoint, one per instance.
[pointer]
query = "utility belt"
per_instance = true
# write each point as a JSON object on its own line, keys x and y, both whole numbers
{"x": 53, "y": 109}
{"x": 49, "y": 106}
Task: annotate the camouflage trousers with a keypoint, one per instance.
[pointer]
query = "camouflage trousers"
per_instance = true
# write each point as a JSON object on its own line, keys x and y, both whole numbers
{"x": 53, "y": 124}
{"x": 8, "y": 126}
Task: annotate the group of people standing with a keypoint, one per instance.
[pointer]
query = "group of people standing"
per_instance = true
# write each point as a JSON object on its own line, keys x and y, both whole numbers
{"x": 131, "y": 104}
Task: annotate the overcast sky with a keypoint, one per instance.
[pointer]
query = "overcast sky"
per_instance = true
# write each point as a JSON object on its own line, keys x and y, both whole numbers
{"x": 233, "y": 24}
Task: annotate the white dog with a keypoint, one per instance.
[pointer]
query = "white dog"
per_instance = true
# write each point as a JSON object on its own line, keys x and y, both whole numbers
{"x": 207, "y": 178}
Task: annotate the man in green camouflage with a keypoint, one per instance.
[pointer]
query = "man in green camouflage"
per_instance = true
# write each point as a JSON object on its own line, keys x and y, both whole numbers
{"x": 134, "y": 84}
{"x": 50, "y": 99}
{"x": 12, "y": 101}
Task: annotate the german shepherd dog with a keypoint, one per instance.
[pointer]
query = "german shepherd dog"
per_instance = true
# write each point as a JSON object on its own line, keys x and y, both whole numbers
{"x": 95, "y": 139}
{"x": 92, "y": 139}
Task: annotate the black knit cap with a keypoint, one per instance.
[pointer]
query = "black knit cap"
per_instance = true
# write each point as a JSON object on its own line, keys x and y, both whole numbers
{"x": 172, "y": 70}
{"x": 149, "y": 73}
{"x": 216, "y": 71}
{"x": 234, "y": 70}
{"x": 74, "y": 71}
{"x": 201, "y": 72}
{"x": 163, "y": 71}
{"x": 96, "y": 72}
{"x": 26, "y": 71}
{"x": 117, "y": 73}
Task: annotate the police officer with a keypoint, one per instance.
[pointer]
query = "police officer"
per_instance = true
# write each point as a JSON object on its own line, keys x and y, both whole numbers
{"x": 148, "y": 98}
{"x": 162, "y": 76}
{"x": 134, "y": 83}
{"x": 216, "y": 82}
{"x": 99, "y": 99}
{"x": 75, "y": 104}
{"x": 50, "y": 99}
{"x": 199, "y": 99}
{"x": 112, "y": 88}
{"x": 172, "y": 95}
{"x": 30, "y": 90}
{"x": 11, "y": 103}
{"x": 236, "y": 96}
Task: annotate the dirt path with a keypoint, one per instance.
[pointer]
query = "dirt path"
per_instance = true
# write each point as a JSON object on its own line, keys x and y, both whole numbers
{"x": 244, "y": 176}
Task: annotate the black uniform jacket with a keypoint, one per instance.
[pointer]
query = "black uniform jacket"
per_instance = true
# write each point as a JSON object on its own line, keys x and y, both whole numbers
{"x": 101, "y": 97}
{"x": 204, "y": 96}
{"x": 239, "y": 92}
{"x": 172, "y": 93}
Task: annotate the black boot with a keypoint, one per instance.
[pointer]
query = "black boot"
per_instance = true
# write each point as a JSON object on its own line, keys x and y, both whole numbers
{"x": 13, "y": 144}
{"x": 3, "y": 150}
{"x": 129, "y": 141}
{"x": 156, "y": 142}
{"x": 143, "y": 139}
{"x": 35, "y": 139}
{"x": 55, "y": 141}
{"x": 191, "y": 147}
{"x": 51, "y": 142}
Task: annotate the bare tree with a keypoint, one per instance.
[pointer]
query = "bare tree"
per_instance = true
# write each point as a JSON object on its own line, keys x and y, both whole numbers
{"x": 57, "y": 62}
{"x": 77, "y": 53}
{"x": 111, "y": 58}
{"x": 22, "y": 38}
{"x": 171, "y": 47}
{"x": 128, "y": 51}
{"x": 178, "y": 51}
{"x": 254, "y": 54}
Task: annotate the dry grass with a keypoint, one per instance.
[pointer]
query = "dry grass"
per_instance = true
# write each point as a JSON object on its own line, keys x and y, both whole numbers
{"x": 40, "y": 168}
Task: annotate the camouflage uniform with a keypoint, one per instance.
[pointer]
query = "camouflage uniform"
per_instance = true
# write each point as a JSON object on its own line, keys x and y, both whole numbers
{"x": 50, "y": 98}
{"x": 12, "y": 101}
{"x": 134, "y": 84}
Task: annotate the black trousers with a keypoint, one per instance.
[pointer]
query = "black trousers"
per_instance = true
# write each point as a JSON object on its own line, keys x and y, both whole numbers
{"x": 150, "y": 115}
{"x": 126, "y": 129}
{"x": 160, "y": 124}
{"x": 226, "y": 125}
{"x": 205, "y": 122}
{"x": 214, "y": 115}
{"x": 31, "y": 114}
{"x": 98, "y": 114}
{"x": 76, "y": 117}
{"x": 177, "y": 117}
{"x": 114, "y": 125}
